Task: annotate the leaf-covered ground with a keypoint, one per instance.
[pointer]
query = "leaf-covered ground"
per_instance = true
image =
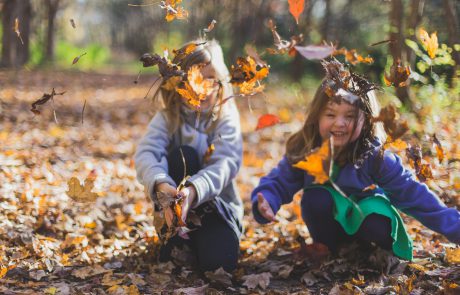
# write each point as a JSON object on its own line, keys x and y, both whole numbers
{"x": 53, "y": 245}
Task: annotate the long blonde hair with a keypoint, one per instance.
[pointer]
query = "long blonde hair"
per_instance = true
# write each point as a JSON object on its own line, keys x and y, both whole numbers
{"x": 205, "y": 53}
{"x": 308, "y": 138}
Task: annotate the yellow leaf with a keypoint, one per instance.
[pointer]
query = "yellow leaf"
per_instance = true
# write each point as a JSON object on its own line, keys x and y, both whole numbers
{"x": 3, "y": 271}
{"x": 51, "y": 290}
{"x": 171, "y": 83}
{"x": 81, "y": 193}
{"x": 314, "y": 163}
{"x": 196, "y": 87}
{"x": 429, "y": 42}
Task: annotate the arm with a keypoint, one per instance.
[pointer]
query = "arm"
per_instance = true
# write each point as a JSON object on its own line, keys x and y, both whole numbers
{"x": 278, "y": 187}
{"x": 224, "y": 162}
{"x": 415, "y": 198}
{"x": 150, "y": 158}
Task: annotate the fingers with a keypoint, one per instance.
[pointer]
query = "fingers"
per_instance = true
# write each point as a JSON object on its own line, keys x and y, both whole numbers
{"x": 264, "y": 208}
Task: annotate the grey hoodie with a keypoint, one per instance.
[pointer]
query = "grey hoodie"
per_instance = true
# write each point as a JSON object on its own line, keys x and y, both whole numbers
{"x": 215, "y": 181}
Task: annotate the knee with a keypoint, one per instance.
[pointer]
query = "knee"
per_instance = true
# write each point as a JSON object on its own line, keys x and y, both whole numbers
{"x": 376, "y": 228}
{"x": 317, "y": 202}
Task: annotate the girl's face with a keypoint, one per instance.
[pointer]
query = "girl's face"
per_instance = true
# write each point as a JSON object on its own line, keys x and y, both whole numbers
{"x": 337, "y": 120}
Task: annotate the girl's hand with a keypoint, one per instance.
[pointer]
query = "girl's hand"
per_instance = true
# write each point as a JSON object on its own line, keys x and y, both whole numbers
{"x": 189, "y": 194}
{"x": 264, "y": 208}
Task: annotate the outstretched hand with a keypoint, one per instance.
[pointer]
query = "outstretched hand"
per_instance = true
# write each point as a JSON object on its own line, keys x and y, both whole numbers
{"x": 264, "y": 208}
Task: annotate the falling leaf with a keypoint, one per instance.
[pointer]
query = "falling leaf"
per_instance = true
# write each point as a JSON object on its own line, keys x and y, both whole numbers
{"x": 422, "y": 170}
{"x": 396, "y": 145}
{"x": 315, "y": 51}
{"x": 267, "y": 120}
{"x": 76, "y": 59}
{"x": 173, "y": 11}
{"x": 166, "y": 68}
{"x": 43, "y": 100}
{"x": 252, "y": 281}
{"x": 72, "y": 22}
{"x": 210, "y": 26}
{"x": 429, "y": 42}
{"x": 316, "y": 161}
{"x": 353, "y": 57}
{"x": 16, "y": 30}
{"x": 296, "y": 8}
{"x": 196, "y": 87}
{"x": 187, "y": 49}
{"x": 439, "y": 149}
{"x": 398, "y": 75}
{"x": 394, "y": 127}
{"x": 247, "y": 74}
{"x": 81, "y": 193}
{"x": 382, "y": 42}
{"x": 283, "y": 46}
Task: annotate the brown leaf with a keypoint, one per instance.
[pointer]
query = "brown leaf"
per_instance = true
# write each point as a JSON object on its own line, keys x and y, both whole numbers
{"x": 398, "y": 75}
{"x": 439, "y": 149}
{"x": 283, "y": 46}
{"x": 422, "y": 170}
{"x": 72, "y": 22}
{"x": 252, "y": 281}
{"x": 353, "y": 57}
{"x": 81, "y": 193}
{"x": 173, "y": 11}
{"x": 43, "y": 100}
{"x": 76, "y": 59}
{"x": 392, "y": 124}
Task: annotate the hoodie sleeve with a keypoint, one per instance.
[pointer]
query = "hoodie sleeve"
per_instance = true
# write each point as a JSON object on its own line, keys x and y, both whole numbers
{"x": 415, "y": 198}
{"x": 150, "y": 158}
{"x": 224, "y": 162}
{"x": 278, "y": 187}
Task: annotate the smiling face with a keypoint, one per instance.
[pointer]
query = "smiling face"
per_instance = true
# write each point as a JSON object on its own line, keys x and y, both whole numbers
{"x": 338, "y": 120}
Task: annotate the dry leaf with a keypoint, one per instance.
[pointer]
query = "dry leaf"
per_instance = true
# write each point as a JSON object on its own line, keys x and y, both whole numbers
{"x": 72, "y": 22}
{"x": 439, "y": 150}
{"x": 422, "y": 170}
{"x": 316, "y": 162}
{"x": 394, "y": 127}
{"x": 42, "y": 100}
{"x": 247, "y": 75}
{"x": 398, "y": 75}
{"x": 353, "y": 57}
{"x": 296, "y": 8}
{"x": 429, "y": 42}
{"x": 253, "y": 280}
{"x": 173, "y": 11}
{"x": 81, "y": 193}
{"x": 196, "y": 87}
{"x": 267, "y": 120}
{"x": 210, "y": 26}
{"x": 16, "y": 30}
{"x": 76, "y": 59}
{"x": 283, "y": 46}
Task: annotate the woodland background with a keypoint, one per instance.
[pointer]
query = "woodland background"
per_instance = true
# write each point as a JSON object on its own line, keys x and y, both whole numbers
{"x": 52, "y": 244}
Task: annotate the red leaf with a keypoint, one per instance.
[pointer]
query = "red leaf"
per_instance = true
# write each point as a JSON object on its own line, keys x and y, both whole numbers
{"x": 296, "y": 8}
{"x": 267, "y": 120}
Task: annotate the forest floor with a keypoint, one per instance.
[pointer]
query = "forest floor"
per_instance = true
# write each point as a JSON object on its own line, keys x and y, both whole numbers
{"x": 50, "y": 244}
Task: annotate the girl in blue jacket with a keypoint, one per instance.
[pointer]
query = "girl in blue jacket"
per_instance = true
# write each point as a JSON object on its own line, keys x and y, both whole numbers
{"x": 343, "y": 108}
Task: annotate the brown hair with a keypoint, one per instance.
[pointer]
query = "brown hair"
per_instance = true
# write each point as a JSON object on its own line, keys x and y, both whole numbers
{"x": 205, "y": 53}
{"x": 308, "y": 138}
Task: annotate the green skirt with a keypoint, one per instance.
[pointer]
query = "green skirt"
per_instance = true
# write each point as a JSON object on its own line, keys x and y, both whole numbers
{"x": 351, "y": 212}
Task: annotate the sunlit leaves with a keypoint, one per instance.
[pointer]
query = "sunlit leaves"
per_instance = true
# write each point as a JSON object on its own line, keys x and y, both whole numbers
{"x": 247, "y": 75}
{"x": 430, "y": 42}
{"x": 196, "y": 88}
{"x": 296, "y": 7}
{"x": 398, "y": 75}
{"x": 353, "y": 57}
{"x": 317, "y": 163}
{"x": 267, "y": 120}
{"x": 173, "y": 10}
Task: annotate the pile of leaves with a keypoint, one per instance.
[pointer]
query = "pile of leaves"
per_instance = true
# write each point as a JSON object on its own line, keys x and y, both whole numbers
{"x": 52, "y": 244}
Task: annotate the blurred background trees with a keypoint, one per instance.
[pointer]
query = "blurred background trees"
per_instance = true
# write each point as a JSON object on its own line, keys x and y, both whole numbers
{"x": 114, "y": 34}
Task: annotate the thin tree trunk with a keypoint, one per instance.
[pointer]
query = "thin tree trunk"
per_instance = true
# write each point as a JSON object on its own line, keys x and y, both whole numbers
{"x": 8, "y": 34}
{"x": 52, "y": 6}
{"x": 453, "y": 27}
{"x": 414, "y": 20}
{"x": 396, "y": 48}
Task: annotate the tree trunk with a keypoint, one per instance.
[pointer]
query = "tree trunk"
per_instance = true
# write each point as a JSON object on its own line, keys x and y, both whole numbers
{"x": 452, "y": 26}
{"x": 415, "y": 18}
{"x": 14, "y": 51}
{"x": 52, "y": 6}
{"x": 325, "y": 30}
{"x": 396, "y": 47}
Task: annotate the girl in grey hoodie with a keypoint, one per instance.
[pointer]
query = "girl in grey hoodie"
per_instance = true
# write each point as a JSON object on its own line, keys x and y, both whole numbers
{"x": 206, "y": 133}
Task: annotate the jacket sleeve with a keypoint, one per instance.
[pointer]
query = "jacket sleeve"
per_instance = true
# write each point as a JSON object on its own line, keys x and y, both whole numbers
{"x": 224, "y": 162}
{"x": 278, "y": 187}
{"x": 150, "y": 158}
{"x": 415, "y": 198}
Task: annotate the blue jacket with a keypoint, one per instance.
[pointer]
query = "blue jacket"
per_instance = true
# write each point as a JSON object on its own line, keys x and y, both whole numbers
{"x": 399, "y": 184}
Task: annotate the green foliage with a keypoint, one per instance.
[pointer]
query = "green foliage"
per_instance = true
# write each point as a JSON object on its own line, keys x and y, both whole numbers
{"x": 96, "y": 55}
{"x": 36, "y": 54}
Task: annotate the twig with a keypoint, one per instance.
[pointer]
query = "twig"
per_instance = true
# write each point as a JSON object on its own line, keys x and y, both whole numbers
{"x": 82, "y": 111}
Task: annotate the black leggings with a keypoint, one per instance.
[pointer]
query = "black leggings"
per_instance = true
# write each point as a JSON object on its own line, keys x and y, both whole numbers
{"x": 214, "y": 243}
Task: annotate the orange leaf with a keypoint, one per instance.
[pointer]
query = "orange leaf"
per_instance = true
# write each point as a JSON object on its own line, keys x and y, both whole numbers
{"x": 429, "y": 42}
{"x": 398, "y": 75}
{"x": 196, "y": 87}
{"x": 267, "y": 120}
{"x": 296, "y": 7}
{"x": 314, "y": 163}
